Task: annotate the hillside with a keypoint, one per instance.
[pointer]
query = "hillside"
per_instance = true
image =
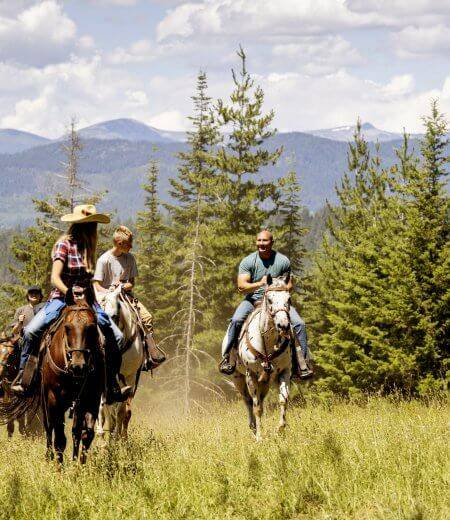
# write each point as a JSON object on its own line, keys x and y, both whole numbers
{"x": 13, "y": 141}
{"x": 119, "y": 166}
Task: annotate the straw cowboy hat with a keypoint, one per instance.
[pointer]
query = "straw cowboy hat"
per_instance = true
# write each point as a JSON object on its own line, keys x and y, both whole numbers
{"x": 85, "y": 213}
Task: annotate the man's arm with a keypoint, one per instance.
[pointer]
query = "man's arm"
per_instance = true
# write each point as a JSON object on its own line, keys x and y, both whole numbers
{"x": 98, "y": 287}
{"x": 128, "y": 286}
{"x": 245, "y": 286}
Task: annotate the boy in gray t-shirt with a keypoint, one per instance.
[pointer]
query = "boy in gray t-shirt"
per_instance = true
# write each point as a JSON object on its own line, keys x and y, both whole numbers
{"x": 118, "y": 266}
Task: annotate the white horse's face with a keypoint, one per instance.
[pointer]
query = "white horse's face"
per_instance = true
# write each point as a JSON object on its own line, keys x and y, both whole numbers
{"x": 278, "y": 303}
{"x": 111, "y": 300}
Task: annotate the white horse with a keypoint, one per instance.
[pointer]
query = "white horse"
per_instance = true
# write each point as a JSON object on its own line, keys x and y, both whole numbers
{"x": 264, "y": 353}
{"x": 114, "y": 418}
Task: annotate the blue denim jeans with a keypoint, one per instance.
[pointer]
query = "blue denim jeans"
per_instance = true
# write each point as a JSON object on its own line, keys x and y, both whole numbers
{"x": 246, "y": 307}
{"x": 51, "y": 311}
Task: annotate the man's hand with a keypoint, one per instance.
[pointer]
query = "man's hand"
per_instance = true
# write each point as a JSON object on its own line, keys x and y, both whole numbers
{"x": 21, "y": 318}
{"x": 127, "y": 287}
{"x": 263, "y": 281}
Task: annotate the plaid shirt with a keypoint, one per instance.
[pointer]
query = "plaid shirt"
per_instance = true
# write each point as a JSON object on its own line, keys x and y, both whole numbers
{"x": 74, "y": 270}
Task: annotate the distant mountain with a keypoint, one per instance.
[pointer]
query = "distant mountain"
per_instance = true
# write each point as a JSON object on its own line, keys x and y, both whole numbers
{"x": 119, "y": 166}
{"x": 130, "y": 130}
{"x": 345, "y": 133}
{"x": 13, "y": 141}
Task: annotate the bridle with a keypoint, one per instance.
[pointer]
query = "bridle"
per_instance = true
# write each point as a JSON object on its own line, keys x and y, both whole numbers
{"x": 69, "y": 351}
{"x": 265, "y": 358}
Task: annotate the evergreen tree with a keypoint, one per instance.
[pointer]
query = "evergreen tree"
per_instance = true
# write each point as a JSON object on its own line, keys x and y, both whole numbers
{"x": 152, "y": 254}
{"x": 245, "y": 201}
{"x": 288, "y": 227}
{"x": 189, "y": 242}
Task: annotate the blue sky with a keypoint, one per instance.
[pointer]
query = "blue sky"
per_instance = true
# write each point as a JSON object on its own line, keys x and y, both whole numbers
{"x": 321, "y": 63}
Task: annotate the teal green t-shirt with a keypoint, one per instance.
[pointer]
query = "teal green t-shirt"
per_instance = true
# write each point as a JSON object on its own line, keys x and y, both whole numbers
{"x": 256, "y": 267}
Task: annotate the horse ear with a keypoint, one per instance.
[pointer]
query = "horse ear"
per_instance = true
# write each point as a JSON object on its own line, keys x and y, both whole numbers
{"x": 269, "y": 279}
{"x": 287, "y": 277}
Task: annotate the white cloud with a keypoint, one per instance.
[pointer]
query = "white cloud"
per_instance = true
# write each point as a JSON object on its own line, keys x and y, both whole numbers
{"x": 114, "y": 2}
{"x": 412, "y": 42}
{"x": 38, "y": 35}
{"x": 170, "y": 120}
{"x": 317, "y": 55}
{"x": 339, "y": 98}
{"x": 138, "y": 52}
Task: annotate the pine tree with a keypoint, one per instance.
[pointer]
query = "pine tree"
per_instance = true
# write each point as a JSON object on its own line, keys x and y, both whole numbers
{"x": 288, "y": 228}
{"x": 152, "y": 253}
{"x": 245, "y": 202}
{"x": 190, "y": 237}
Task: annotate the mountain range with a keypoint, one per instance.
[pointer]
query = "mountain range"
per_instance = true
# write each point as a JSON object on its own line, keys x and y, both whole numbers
{"x": 13, "y": 141}
{"x": 116, "y": 153}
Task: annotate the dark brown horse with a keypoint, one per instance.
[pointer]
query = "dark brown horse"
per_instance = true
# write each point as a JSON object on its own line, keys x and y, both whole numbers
{"x": 72, "y": 375}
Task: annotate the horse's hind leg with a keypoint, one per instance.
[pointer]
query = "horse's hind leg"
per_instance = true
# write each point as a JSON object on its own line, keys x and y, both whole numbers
{"x": 125, "y": 418}
{"x": 241, "y": 387}
{"x": 10, "y": 429}
{"x": 22, "y": 425}
{"x": 283, "y": 396}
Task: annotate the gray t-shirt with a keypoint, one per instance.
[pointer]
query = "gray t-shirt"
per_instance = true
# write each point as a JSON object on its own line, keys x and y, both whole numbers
{"x": 256, "y": 267}
{"x": 114, "y": 269}
{"x": 29, "y": 311}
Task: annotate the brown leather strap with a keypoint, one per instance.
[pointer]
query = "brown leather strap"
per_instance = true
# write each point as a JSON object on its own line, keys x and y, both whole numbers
{"x": 265, "y": 358}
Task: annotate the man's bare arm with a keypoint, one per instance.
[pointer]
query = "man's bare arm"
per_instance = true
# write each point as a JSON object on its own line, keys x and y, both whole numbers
{"x": 245, "y": 286}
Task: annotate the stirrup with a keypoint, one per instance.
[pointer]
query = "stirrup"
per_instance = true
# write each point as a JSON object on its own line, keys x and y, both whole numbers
{"x": 225, "y": 367}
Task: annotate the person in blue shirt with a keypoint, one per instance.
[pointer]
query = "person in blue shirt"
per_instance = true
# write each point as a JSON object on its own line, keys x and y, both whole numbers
{"x": 251, "y": 281}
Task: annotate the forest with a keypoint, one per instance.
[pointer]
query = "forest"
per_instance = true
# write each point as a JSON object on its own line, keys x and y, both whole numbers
{"x": 372, "y": 271}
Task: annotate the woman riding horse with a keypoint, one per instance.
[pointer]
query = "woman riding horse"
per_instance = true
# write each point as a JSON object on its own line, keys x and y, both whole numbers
{"x": 73, "y": 258}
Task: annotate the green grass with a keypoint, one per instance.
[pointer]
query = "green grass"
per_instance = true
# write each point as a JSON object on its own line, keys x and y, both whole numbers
{"x": 382, "y": 460}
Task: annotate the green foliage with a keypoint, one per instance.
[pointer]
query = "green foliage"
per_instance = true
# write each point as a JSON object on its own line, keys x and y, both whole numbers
{"x": 378, "y": 294}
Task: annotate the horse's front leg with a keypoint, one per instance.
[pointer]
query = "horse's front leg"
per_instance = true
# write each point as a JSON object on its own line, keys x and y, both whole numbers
{"x": 283, "y": 396}
{"x": 56, "y": 420}
{"x": 88, "y": 434}
{"x": 241, "y": 386}
{"x": 257, "y": 391}
{"x": 77, "y": 427}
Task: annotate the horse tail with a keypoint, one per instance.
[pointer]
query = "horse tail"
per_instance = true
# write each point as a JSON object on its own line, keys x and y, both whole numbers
{"x": 16, "y": 407}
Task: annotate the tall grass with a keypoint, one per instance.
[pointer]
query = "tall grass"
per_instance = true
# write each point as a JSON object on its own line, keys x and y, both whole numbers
{"x": 384, "y": 459}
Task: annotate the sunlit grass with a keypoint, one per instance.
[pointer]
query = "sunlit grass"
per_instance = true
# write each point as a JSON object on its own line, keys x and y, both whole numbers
{"x": 381, "y": 460}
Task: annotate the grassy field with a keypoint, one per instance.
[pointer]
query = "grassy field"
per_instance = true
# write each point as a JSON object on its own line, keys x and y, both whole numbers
{"x": 382, "y": 460}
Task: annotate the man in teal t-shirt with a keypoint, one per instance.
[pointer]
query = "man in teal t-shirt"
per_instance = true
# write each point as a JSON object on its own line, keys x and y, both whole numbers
{"x": 252, "y": 278}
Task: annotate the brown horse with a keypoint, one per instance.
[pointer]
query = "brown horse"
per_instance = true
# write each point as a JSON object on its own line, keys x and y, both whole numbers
{"x": 72, "y": 375}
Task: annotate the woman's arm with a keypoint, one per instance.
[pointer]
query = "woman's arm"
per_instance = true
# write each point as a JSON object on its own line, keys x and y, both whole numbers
{"x": 57, "y": 269}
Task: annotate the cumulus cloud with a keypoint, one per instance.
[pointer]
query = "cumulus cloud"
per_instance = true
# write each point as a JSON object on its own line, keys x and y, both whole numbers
{"x": 412, "y": 42}
{"x": 40, "y": 34}
{"x": 318, "y": 55}
{"x": 138, "y": 52}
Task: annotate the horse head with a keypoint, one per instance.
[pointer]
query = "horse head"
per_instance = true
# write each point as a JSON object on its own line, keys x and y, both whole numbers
{"x": 81, "y": 336}
{"x": 277, "y": 300}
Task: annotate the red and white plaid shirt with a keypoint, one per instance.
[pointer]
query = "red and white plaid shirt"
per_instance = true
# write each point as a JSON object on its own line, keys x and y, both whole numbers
{"x": 74, "y": 270}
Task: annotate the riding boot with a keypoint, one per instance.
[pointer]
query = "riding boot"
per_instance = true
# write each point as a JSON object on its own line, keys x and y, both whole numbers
{"x": 113, "y": 391}
{"x": 17, "y": 385}
{"x": 153, "y": 355}
{"x": 300, "y": 368}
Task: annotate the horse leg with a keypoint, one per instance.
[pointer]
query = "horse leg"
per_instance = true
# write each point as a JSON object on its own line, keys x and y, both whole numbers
{"x": 241, "y": 387}
{"x": 10, "y": 428}
{"x": 77, "y": 426}
{"x": 257, "y": 391}
{"x": 125, "y": 418}
{"x": 22, "y": 425}
{"x": 283, "y": 396}
{"x": 57, "y": 422}
{"x": 87, "y": 435}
